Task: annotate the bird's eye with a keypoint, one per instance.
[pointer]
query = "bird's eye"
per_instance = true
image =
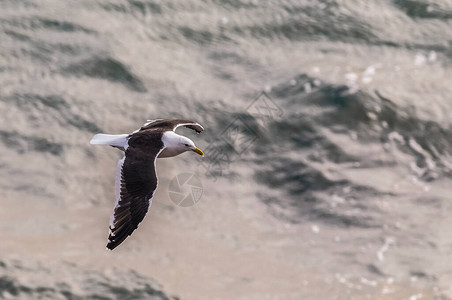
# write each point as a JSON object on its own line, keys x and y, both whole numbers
{"x": 186, "y": 145}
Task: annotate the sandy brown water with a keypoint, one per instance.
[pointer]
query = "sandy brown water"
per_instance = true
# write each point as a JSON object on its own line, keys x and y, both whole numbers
{"x": 344, "y": 193}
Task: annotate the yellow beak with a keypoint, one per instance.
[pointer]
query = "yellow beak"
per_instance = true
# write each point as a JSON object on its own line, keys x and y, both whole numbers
{"x": 199, "y": 151}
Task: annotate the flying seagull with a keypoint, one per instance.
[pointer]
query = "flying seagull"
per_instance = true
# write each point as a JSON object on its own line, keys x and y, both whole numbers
{"x": 136, "y": 179}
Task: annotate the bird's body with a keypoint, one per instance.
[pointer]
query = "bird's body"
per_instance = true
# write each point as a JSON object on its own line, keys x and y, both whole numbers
{"x": 136, "y": 179}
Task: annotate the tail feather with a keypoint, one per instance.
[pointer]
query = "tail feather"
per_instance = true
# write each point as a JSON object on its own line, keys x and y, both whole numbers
{"x": 115, "y": 140}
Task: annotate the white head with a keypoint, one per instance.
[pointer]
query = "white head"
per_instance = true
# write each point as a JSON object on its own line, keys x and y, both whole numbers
{"x": 176, "y": 144}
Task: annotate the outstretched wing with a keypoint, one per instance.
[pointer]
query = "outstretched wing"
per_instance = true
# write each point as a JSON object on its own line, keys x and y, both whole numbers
{"x": 166, "y": 125}
{"x": 136, "y": 181}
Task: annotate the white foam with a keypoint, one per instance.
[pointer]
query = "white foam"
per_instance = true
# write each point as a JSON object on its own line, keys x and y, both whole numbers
{"x": 419, "y": 59}
{"x": 315, "y": 228}
{"x": 432, "y": 56}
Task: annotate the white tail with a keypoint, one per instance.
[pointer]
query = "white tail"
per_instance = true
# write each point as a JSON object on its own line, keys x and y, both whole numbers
{"x": 115, "y": 140}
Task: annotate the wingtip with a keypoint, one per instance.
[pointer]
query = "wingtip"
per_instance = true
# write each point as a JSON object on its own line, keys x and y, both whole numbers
{"x": 110, "y": 247}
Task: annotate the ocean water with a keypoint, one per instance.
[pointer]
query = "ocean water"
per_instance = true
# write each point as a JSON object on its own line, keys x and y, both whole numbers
{"x": 328, "y": 148}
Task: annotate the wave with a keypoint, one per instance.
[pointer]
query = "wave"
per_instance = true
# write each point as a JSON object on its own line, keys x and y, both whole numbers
{"x": 325, "y": 131}
{"x": 27, "y": 280}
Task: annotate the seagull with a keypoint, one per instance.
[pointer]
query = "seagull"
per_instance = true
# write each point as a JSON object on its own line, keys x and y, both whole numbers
{"x": 136, "y": 178}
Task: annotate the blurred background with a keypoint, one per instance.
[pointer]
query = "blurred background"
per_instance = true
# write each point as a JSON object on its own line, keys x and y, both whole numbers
{"x": 328, "y": 148}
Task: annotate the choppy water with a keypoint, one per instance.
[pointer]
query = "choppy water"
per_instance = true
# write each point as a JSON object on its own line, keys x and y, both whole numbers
{"x": 337, "y": 178}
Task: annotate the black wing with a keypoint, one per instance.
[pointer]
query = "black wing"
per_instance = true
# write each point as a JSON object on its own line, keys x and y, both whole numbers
{"x": 138, "y": 182}
{"x": 166, "y": 125}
